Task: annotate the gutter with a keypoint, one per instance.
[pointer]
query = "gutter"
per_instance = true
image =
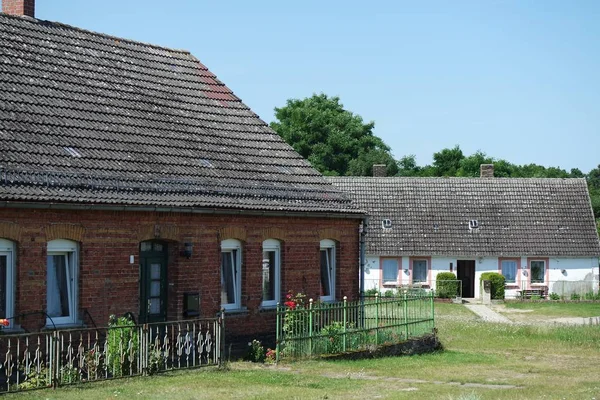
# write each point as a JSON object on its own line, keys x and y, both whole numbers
{"x": 187, "y": 210}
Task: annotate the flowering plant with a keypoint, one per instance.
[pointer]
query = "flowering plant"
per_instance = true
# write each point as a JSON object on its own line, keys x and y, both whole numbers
{"x": 4, "y": 322}
{"x": 271, "y": 356}
{"x": 293, "y": 301}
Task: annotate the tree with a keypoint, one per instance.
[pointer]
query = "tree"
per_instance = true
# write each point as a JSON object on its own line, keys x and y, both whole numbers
{"x": 407, "y": 166}
{"x": 447, "y": 161}
{"x": 334, "y": 140}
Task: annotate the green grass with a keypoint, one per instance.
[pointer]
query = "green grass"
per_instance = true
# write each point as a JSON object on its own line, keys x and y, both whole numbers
{"x": 480, "y": 361}
{"x": 558, "y": 309}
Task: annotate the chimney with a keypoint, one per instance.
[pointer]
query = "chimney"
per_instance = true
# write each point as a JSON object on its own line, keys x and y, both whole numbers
{"x": 379, "y": 170}
{"x": 486, "y": 170}
{"x": 19, "y": 7}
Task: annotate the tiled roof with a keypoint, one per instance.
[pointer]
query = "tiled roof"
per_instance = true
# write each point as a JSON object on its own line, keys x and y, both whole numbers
{"x": 516, "y": 217}
{"x": 90, "y": 118}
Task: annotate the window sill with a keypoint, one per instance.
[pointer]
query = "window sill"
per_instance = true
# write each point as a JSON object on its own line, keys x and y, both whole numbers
{"x": 390, "y": 284}
{"x": 263, "y": 309}
{"x": 13, "y": 330}
{"x": 237, "y": 311}
{"x": 60, "y": 327}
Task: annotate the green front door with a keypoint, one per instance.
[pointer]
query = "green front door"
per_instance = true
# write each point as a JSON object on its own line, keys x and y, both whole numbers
{"x": 153, "y": 282}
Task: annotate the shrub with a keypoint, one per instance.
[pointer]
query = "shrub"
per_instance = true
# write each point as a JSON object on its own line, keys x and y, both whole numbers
{"x": 122, "y": 342}
{"x": 255, "y": 352}
{"x": 554, "y": 296}
{"x": 334, "y": 333}
{"x": 497, "y": 281}
{"x": 389, "y": 293}
{"x": 446, "y": 285}
{"x": 371, "y": 292}
{"x": 575, "y": 297}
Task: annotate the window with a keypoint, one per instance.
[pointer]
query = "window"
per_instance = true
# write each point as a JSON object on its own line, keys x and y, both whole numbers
{"x": 327, "y": 270}
{"x": 62, "y": 265}
{"x": 7, "y": 279}
{"x": 390, "y": 270}
{"x": 231, "y": 274}
{"x": 538, "y": 271}
{"x": 386, "y": 224}
{"x": 419, "y": 271}
{"x": 509, "y": 270}
{"x": 271, "y": 267}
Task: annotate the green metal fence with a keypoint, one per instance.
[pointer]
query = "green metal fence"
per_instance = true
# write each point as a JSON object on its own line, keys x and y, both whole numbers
{"x": 332, "y": 328}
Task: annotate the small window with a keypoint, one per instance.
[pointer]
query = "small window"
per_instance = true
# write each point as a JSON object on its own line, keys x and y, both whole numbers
{"x": 473, "y": 224}
{"x": 386, "y": 223}
{"x": 62, "y": 282}
{"x": 327, "y": 270}
{"x": 419, "y": 271}
{"x": 231, "y": 274}
{"x": 390, "y": 270}
{"x": 205, "y": 163}
{"x": 538, "y": 271}
{"x": 271, "y": 267}
{"x": 509, "y": 270}
{"x": 72, "y": 152}
{"x": 7, "y": 280}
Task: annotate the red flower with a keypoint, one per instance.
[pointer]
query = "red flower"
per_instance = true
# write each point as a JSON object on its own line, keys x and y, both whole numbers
{"x": 4, "y": 322}
{"x": 290, "y": 304}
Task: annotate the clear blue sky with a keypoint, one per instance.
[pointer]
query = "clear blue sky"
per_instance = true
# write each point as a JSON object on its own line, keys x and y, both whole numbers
{"x": 519, "y": 80}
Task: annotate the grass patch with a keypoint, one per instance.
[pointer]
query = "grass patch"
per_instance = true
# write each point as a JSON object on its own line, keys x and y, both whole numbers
{"x": 557, "y": 309}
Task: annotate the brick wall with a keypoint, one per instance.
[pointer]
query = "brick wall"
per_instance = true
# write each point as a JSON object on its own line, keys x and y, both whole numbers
{"x": 109, "y": 284}
{"x": 19, "y": 7}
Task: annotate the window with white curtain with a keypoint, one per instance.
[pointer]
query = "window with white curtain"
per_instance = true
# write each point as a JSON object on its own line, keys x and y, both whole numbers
{"x": 231, "y": 274}
{"x": 327, "y": 270}
{"x": 62, "y": 289}
{"x": 271, "y": 269}
{"x": 509, "y": 270}
{"x": 7, "y": 280}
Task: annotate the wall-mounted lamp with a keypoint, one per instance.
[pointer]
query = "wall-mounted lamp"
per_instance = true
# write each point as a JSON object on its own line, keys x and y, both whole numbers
{"x": 451, "y": 267}
{"x": 564, "y": 272}
{"x": 480, "y": 260}
{"x": 406, "y": 271}
{"x": 187, "y": 250}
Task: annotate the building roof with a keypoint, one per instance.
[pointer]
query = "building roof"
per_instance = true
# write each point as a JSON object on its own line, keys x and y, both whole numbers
{"x": 515, "y": 216}
{"x": 93, "y": 119}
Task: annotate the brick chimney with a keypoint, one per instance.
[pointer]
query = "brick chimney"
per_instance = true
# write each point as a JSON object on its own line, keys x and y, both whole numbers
{"x": 19, "y": 7}
{"x": 486, "y": 170}
{"x": 379, "y": 170}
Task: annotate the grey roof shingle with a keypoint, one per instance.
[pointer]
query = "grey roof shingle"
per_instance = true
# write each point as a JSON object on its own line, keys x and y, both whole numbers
{"x": 517, "y": 216}
{"x": 90, "y": 118}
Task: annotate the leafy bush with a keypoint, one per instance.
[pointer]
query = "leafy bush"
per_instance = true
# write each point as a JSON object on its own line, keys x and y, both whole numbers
{"x": 554, "y": 296}
{"x": 498, "y": 281}
{"x": 389, "y": 293}
{"x": 122, "y": 342}
{"x": 371, "y": 292}
{"x": 575, "y": 297}
{"x": 334, "y": 333}
{"x": 255, "y": 352}
{"x": 446, "y": 285}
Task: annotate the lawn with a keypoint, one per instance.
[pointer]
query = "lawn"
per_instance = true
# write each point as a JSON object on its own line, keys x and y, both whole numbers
{"x": 557, "y": 309}
{"x": 480, "y": 361}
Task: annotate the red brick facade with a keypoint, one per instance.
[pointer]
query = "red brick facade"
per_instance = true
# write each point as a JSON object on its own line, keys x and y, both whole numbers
{"x": 19, "y": 7}
{"x": 109, "y": 283}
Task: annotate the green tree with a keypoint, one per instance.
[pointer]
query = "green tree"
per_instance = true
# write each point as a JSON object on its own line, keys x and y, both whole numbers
{"x": 469, "y": 166}
{"x": 447, "y": 161}
{"x": 407, "y": 166}
{"x": 334, "y": 140}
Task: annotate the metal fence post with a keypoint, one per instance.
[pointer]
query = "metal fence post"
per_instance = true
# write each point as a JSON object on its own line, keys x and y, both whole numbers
{"x": 310, "y": 326}
{"x": 222, "y": 337}
{"x": 345, "y": 320}
{"x": 405, "y": 313}
{"x": 432, "y": 314}
{"x": 277, "y": 331}
{"x": 376, "y": 319}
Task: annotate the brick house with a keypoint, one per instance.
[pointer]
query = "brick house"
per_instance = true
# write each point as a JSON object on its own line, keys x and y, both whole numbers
{"x": 539, "y": 233}
{"x": 133, "y": 180}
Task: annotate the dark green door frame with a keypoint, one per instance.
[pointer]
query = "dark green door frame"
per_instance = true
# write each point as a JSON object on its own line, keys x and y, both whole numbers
{"x": 153, "y": 281}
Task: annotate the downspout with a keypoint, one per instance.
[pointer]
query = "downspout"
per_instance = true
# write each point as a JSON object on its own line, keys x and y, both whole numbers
{"x": 363, "y": 255}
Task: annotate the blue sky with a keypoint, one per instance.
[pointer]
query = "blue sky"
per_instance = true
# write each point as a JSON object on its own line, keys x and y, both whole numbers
{"x": 519, "y": 80}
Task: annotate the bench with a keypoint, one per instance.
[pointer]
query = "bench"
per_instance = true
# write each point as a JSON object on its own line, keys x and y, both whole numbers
{"x": 541, "y": 293}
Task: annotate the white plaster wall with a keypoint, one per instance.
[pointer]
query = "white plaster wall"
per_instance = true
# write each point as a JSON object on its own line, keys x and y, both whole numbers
{"x": 575, "y": 269}
{"x": 372, "y": 272}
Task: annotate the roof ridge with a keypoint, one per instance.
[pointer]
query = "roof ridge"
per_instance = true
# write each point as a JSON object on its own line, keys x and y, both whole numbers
{"x": 94, "y": 33}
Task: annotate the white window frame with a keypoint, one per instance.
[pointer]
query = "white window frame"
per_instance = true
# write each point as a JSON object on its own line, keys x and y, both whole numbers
{"x": 274, "y": 246}
{"x": 543, "y": 281}
{"x": 326, "y": 245}
{"x": 7, "y": 249}
{"x": 426, "y": 281}
{"x": 387, "y": 281}
{"x": 516, "y": 270}
{"x": 69, "y": 249}
{"x": 233, "y": 248}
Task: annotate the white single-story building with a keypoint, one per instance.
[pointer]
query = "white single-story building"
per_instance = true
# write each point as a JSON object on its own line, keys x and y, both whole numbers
{"x": 538, "y": 233}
